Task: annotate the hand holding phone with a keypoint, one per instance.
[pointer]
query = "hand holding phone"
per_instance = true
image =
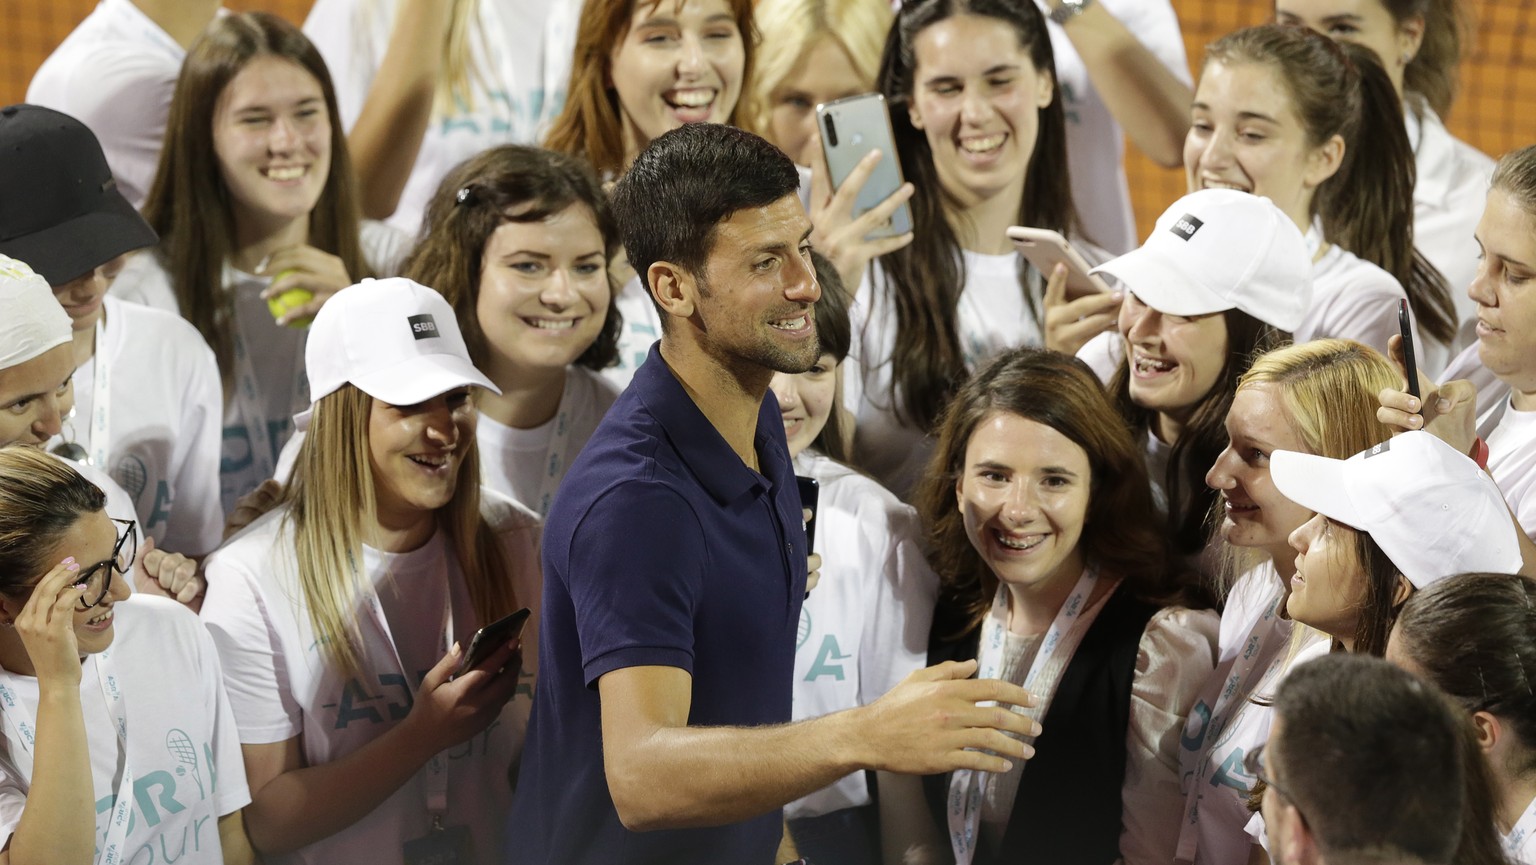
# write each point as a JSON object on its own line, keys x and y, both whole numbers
{"x": 491, "y": 637}
{"x": 850, "y": 129}
{"x": 1045, "y": 248}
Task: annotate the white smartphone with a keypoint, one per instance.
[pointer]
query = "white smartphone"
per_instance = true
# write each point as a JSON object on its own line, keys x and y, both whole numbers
{"x": 850, "y": 128}
{"x": 1045, "y": 248}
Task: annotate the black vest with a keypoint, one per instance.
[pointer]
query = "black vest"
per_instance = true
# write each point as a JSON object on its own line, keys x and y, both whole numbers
{"x": 1068, "y": 808}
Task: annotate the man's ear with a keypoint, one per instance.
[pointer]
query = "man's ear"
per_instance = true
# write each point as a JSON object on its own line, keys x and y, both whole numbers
{"x": 673, "y": 287}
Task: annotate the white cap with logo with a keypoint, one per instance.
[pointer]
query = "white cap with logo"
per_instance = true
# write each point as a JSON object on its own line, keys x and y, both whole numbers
{"x": 32, "y": 321}
{"x": 1430, "y": 509}
{"x": 394, "y": 339}
{"x": 1220, "y": 249}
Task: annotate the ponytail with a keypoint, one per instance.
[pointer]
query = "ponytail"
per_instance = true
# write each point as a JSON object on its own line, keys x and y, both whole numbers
{"x": 1367, "y": 206}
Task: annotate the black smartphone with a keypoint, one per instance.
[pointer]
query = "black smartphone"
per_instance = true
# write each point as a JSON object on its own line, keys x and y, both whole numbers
{"x": 491, "y": 637}
{"x": 1405, "y": 326}
{"x": 810, "y": 493}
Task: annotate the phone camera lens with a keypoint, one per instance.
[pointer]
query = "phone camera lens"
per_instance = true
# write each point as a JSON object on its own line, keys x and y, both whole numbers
{"x": 831, "y": 131}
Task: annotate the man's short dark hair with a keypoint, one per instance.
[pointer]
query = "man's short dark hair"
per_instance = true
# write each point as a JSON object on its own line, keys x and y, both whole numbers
{"x": 1373, "y": 757}
{"x": 688, "y": 181}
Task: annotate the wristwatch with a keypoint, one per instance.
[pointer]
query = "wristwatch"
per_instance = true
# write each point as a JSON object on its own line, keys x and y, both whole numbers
{"x": 1069, "y": 9}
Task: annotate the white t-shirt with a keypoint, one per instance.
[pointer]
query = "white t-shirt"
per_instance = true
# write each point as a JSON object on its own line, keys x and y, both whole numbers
{"x": 1244, "y": 629}
{"x": 1448, "y": 197}
{"x": 164, "y": 421}
{"x": 525, "y": 464}
{"x": 1354, "y": 299}
{"x": 1520, "y": 842}
{"x": 1095, "y": 142}
{"x": 992, "y": 317}
{"x": 517, "y": 51}
{"x": 182, "y": 747}
{"x": 641, "y": 328}
{"x": 281, "y": 687}
{"x": 116, "y": 73}
{"x": 1511, "y": 439}
{"x": 865, "y": 627}
{"x": 276, "y": 353}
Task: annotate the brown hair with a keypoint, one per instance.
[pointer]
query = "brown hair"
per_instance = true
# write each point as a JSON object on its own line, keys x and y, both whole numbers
{"x": 1432, "y": 71}
{"x": 835, "y": 334}
{"x": 506, "y": 184}
{"x": 1366, "y": 207}
{"x": 41, "y": 499}
{"x": 1120, "y": 531}
{"x": 1474, "y": 635}
{"x": 589, "y": 125}
{"x": 927, "y": 277}
{"x": 1205, "y": 433}
{"x": 189, "y": 205}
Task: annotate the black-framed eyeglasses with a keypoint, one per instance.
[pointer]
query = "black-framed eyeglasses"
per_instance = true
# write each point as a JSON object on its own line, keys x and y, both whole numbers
{"x": 1253, "y": 763}
{"x": 97, "y": 579}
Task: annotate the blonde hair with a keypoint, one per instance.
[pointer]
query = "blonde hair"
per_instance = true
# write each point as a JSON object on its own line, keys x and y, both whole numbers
{"x": 330, "y": 500}
{"x": 790, "y": 28}
{"x": 1328, "y": 389}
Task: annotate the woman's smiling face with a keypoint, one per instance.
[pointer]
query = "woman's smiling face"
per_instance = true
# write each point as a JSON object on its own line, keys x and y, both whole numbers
{"x": 682, "y": 61}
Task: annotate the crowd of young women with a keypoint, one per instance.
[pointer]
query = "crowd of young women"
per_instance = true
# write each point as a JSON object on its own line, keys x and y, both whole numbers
{"x": 1230, "y": 478}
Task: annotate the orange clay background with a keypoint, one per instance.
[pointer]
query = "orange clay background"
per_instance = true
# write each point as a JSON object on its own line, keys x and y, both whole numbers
{"x": 1495, "y": 112}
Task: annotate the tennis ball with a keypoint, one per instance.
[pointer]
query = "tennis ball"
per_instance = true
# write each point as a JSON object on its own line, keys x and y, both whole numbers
{"x": 290, "y": 299}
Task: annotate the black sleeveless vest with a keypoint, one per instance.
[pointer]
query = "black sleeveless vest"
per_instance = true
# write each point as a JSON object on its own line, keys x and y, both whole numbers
{"x": 1068, "y": 808}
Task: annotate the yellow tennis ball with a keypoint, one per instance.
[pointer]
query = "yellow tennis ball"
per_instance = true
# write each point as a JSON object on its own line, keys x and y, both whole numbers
{"x": 293, "y": 298}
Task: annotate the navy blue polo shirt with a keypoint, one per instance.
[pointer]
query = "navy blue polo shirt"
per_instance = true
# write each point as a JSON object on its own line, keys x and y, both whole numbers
{"x": 662, "y": 548}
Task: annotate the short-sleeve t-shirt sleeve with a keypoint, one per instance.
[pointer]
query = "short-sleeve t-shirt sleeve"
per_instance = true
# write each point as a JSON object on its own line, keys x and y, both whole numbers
{"x": 645, "y": 616}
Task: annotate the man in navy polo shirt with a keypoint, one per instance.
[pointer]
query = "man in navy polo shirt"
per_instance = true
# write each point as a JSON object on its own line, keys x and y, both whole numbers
{"x": 675, "y": 560}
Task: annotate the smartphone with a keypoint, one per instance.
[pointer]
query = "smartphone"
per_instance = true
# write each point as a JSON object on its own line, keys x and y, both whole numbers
{"x": 850, "y": 128}
{"x": 1410, "y": 365}
{"x": 810, "y": 495}
{"x": 1045, "y": 248}
{"x": 492, "y": 637}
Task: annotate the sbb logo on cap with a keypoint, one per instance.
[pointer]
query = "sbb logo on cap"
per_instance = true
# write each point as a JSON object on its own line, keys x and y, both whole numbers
{"x": 423, "y": 326}
{"x": 1186, "y": 226}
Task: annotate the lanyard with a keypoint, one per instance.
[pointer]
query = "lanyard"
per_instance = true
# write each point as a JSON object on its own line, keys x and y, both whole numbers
{"x": 101, "y": 397}
{"x": 554, "y": 458}
{"x": 1224, "y": 696}
{"x": 23, "y": 726}
{"x": 1524, "y": 828}
{"x": 437, "y": 767}
{"x": 1064, "y": 635}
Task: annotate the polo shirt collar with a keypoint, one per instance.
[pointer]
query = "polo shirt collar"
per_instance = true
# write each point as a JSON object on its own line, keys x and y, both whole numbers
{"x": 719, "y": 470}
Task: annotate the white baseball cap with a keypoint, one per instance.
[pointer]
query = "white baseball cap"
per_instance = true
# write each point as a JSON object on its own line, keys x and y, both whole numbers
{"x": 394, "y": 339}
{"x": 33, "y": 321}
{"x": 1220, "y": 249}
{"x": 1430, "y": 509}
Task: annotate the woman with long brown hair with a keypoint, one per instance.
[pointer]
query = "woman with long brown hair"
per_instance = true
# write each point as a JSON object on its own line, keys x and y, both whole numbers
{"x": 257, "y": 214}
{"x": 1053, "y": 574}
{"x": 981, "y": 134}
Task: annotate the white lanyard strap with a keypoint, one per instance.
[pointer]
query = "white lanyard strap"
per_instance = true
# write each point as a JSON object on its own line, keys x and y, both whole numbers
{"x": 559, "y": 443}
{"x": 101, "y": 398}
{"x": 1224, "y": 696}
{"x": 1523, "y": 829}
{"x": 1064, "y": 635}
{"x": 23, "y": 726}
{"x": 437, "y": 767}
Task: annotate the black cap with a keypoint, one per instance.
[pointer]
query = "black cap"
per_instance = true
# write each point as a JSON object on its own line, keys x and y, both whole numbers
{"x": 60, "y": 210}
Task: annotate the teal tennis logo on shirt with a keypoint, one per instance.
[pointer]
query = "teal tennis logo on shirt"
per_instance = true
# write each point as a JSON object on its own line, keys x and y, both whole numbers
{"x": 423, "y": 326}
{"x": 1186, "y": 226}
